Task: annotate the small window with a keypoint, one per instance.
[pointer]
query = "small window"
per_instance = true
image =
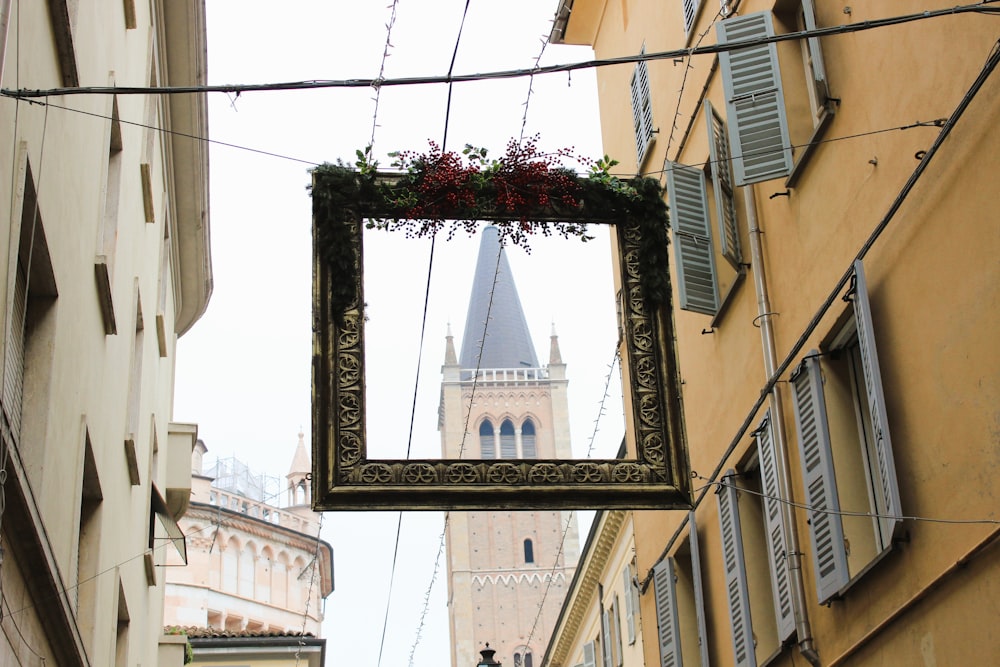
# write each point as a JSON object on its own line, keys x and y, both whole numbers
{"x": 528, "y": 440}
{"x": 529, "y": 551}
{"x": 487, "y": 442}
{"x": 508, "y": 444}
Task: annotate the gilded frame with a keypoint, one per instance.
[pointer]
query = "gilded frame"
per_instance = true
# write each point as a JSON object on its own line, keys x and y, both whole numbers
{"x": 656, "y": 476}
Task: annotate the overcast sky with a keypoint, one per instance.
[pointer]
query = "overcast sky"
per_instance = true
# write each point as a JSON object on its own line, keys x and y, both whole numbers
{"x": 243, "y": 371}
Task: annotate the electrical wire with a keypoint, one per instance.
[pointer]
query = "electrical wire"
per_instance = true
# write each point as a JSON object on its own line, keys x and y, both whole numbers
{"x": 309, "y": 594}
{"x": 874, "y": 235}
{"x": 315, "y": 84}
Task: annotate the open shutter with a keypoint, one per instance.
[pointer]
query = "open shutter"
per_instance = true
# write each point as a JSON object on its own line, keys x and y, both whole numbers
{"x": 630, "y": 605}
{"x": 816, "y": 63}
{"x": 606, "y": 638}
{"x": 666, "y": 613}
{"x": 617, "y": 630}
{"x": 735, "y": 573}
{"x": 690, "y": 9}
{"x": 642, "y": 109}
{"x": 887, "y": 487}
{"x": 13, "y": 371}
{"x": 589, "y": 655}
{"x": 825, "y": 526}
{"x": 775, "y": 527}
{"x": 755, "y": 103}
{"x": 699, "y": 589}
{"x": 722, "y": 184}
{"x": 693, "y": 250}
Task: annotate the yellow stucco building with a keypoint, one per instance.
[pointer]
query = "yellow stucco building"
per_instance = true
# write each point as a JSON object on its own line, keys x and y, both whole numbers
{"x": 105, "y": 260}
{"x": 834, "y": 247}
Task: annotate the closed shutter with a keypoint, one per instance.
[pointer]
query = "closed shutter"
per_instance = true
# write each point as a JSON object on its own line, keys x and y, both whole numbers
{"x": 642, "y": 109}
{"x": 629, "y": 603}
{"x": 722, "y": 184}
{"x": 697, "y": 281}
{"x": 774, "y": 525}
{"x": 699, "y": 589}
{"x": 755, "y": 103}
{"x": 829, "y": 555}
{"x": 666, "y": 613}
{"x": 606, "y": 638}
{"x": 13, "y": 371}
{"x": 616, "y": 628}
{"x": 816, "y": 63}
{"x": 735, "y": 573}
{"x": 589, "y": 655}
{"x": 888, "y": 487}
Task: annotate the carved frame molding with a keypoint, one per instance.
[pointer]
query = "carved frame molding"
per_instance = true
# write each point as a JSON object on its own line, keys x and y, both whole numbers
{"x": 344, "y": 478}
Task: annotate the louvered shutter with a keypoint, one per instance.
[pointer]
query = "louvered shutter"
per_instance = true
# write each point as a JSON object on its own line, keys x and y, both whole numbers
{"x": 755, "y": 103}
{"x": 722, "y": 184}
{"x": 606, "y": 637}
{"x": 642, "y": 109}
{"x": 589, "y": 655}
{"x": 630, "y": 606}
{"x": 666, "y": 613}
{"x": 775, "y": 526}
{"x": 817, "y": 65}
{"x": 13, "y": 371}
{"x": 690, "y": 9}
{"x": 887, "y": 485}
{"x": 616, "y": 628}
{"x": 696, "y": 277}
{"x": 825, "y": 526}
{"x": 735, "y": 572}
{"x": 699, "y": 589}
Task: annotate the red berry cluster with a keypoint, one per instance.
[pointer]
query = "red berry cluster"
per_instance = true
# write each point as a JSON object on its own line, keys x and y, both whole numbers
{"x": 526, "y": 180}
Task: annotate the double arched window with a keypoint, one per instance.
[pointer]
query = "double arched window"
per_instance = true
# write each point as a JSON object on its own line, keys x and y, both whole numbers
{"x": 510, "y": 442}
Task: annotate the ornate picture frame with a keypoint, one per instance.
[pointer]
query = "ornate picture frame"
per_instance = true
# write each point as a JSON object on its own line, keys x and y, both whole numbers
{"x": 656, "y": 474}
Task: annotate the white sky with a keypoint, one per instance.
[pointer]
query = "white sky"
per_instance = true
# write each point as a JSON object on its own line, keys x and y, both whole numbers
{"x": 243, "y": 371}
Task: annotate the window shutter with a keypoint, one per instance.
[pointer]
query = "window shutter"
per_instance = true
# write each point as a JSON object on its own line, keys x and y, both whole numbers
{"x": 826, "y": 528}
{"x": 617, "y": 629}
{"x": 666, "y": 613}
{"x": 722, "y": 184}
{"x": 696, "y": 276}
{"x": 815, "y": 53}
{"x": 606, "y": 637}
{"x": 13, "y": 372}
{"x": 699, "y": 589}
{"x": 690, "y": 9}
{"x": 755, "y": 103}
{"x": 888, "y": 487}
{"x": 642, "y": 109}
{"x": 775, "y": 527}
{"x": 735, "y": 573}
{"x": 589, "y": 655}
{"x": 629, "y": 603}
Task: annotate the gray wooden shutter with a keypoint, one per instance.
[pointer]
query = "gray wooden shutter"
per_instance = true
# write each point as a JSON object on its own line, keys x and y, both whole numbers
{"x": 696, "y": 277}
{"x": 722, "y": 184}
{"x": 630, "y": 606}
{"x": 825, "y": 526}
{"x": 606, "y": 637}
{"x": 690, "y": 9}
{"x": 666, "y": 613}
{"x": 735, "y": 573}
{"x": 617, "y": 629}
{"x": 818, "y": 66}
{"x": 775, "y": 526}
{"x": 888, "y": 487}
{"x": 589, "y": 655}
{"x": 13, "y": 371}
{"x": 755, "y": 103}
{"x": 642, "y": 109}
{"x": 699, "y": 589}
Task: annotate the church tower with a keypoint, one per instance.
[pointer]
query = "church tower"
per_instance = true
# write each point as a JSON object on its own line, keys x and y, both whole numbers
{"x": 508, "y": 571}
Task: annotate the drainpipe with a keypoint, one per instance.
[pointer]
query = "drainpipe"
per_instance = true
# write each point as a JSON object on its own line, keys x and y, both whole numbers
{"x": 4, "y": 21}
{"x": 794, "y": 556}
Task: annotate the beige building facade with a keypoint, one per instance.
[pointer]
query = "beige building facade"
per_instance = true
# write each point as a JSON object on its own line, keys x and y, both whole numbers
{"x": 507, "y": 570}
{"x": 834, "y": 242}
{"x": 256, "y": 565}
{"x": 105, "y": 261}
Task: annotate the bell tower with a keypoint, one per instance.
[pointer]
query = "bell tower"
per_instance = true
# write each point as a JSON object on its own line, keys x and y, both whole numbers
{"x": 508, "y": 571}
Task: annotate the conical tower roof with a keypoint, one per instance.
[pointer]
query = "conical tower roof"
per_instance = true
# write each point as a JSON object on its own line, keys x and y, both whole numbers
{"x": 507, "y": 343}
{"x": 300, "y": 460}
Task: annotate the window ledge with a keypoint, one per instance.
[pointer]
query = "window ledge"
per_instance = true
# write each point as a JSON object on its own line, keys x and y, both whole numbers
{"x": 741, "y": 275}
{"x": 860, "y": 575}
{"x": 102, "y": 274}
{"x": 800, "y": 163}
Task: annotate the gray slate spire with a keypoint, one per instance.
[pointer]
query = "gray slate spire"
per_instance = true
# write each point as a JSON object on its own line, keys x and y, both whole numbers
{"x": 507, "y": 343}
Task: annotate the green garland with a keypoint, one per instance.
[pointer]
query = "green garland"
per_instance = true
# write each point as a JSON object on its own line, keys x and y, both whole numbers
{"x": 344, "y": 195}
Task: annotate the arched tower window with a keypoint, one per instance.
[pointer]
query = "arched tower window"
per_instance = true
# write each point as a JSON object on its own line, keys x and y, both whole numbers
{"x": 508, "y": 444}
{"x": 522, "y": 657}
{"x": 528, "y": 439}
{"x": 529, "y": 551}
{"x": 487, "y": 445}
